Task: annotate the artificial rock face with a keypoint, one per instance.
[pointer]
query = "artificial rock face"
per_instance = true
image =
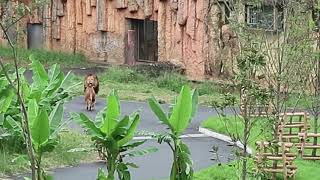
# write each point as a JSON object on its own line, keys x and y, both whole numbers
{"x": 99, "y": 29}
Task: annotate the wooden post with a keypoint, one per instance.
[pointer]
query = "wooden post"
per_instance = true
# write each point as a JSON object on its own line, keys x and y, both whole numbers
{"x": 131, "y": 47}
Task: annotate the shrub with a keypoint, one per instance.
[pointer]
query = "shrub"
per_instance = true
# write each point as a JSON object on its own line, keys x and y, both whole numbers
{"x": 207, "y": 88}
{"x": 171, "y": 81}
{"x": 45, "y": 56}
{"x": 154, "y": 70}
{"x": 123, "y": 75}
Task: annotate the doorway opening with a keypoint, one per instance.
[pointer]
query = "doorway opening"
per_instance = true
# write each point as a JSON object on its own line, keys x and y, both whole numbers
{"x": 146, "y": 39}
{"x": 35, "y": 36}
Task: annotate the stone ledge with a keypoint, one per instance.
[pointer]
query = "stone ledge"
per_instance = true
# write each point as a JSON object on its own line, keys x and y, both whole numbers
{"x": 223, "y": 137}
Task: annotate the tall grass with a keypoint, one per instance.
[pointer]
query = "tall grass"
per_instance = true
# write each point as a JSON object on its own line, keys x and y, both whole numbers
{"x": 45, "y": 56}
{"x": 170, "y": 80}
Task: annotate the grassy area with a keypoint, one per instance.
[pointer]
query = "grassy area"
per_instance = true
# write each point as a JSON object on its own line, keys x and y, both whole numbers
{"x": 44, "y": 56}
{"x": 13, "y": 161}
{"x": 307, "y": 170}
{"x": 132, "y": 85}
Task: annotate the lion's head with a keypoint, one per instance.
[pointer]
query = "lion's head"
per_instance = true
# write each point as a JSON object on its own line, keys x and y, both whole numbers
{"x": 91, "y": 80}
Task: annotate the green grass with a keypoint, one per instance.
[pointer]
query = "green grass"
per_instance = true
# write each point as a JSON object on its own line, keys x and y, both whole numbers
{"x": 44, "y": 56}
{"x": 223, "y": 172}
{"x": 13, "y": 162}
{"x": 231, "y": 125}
{"x": 307, "y": 170}
{"x": 134, "y": 85}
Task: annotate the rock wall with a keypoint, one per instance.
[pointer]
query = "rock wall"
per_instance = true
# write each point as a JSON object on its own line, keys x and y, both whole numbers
{"x": 98, "y": 28}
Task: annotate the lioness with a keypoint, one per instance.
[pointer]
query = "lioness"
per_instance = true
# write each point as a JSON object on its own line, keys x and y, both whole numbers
{"x": 90, "y": 97}
{"x": 91, "y": 79}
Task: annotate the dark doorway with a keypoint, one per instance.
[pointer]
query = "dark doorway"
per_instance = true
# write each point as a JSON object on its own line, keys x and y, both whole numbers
{"x": 146, "y": 35}
{"x": 35, "y": 36}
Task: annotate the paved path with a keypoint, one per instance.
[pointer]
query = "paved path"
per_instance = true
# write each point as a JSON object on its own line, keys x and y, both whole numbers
{"x": 156, "y": 165}
{"x": 149, "y": 122}
{"x": 153, "y": 166}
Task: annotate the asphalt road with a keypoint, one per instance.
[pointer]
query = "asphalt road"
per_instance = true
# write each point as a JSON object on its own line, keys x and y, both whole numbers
{"x": 156, "y": 165}
{"x": 153, "y": 166}
{"x": 149, "y": 122}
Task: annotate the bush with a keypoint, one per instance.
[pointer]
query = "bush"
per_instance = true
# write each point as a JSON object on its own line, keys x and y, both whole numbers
{"x": 154, "y": 70}
{"x": 171, "y": 81}
{"x": 123, "y": 75}
{"x": 45, "y": 56}
{"x": 207, "y": 88}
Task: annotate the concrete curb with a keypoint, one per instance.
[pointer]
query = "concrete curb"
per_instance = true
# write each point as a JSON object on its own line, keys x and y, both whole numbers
{"x": 182, "y": 136}
{"x": 223, "y": 137}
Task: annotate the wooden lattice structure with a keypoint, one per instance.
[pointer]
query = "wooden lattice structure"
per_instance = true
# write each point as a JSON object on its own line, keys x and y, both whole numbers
{"x": 308, "y": 143}
{"x": 270, "y": 162}
{"x": 290, "y": 125}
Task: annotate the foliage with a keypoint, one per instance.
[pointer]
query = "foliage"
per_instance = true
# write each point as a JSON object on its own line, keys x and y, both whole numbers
{"x": 252, "y": 95}
{"x": 113, "y": 135}
{"x": 178, "y": 120}
{"x": 44, "y": 99}
{"x": 171, "y": 81}
{"x": 47, "y": 91}
{"x": 46, "y": 57}
{"x": 306, "y": 169}
{"x": 14, "y": 160}
{"x": 123, "y": 74}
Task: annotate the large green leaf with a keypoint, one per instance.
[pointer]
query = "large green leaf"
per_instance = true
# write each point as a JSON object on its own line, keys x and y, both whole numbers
{"x": 132, "y": 145}
{"x": 142, "y": 152}
{"x": 195, "y": 95}
{"x": 156, "y": 108}
{"x": 40, "y": 129}
{"x": 1, "y": 119}
{"x": 86, "y": 123}
{"x": 130, "y": 132}
{"x": 65, "y": 84}
{"x": 123, "y": 171}
{"x": 55, "y": 117}
{"x": 121, "y": 129}
{"x": 101, "y": 175}
{"x": 40, "y": 76}
{"x": 54, "y": 72}
{"x": 112, "y": 115}
{"x": 25, "y": 87}
{"x": 11, "y": 125}
{"x": 6, "y": 97}
{"x": 182, "y": 110}
{"x": 56, "y": 78}
{"x": 32, "y": 111}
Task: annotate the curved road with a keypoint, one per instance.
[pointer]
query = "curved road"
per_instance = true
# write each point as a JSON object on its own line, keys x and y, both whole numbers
{"x": 153, "y": 166}
{"x": 156, "y": 165}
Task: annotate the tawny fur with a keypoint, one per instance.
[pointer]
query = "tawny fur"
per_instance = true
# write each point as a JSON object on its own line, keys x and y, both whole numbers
{"x": 90, "y": 97}
{"x": 91, "y": 79}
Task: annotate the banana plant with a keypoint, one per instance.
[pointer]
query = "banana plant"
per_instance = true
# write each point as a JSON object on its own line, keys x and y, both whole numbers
{"x": 177, "y": 120}
{"x": 113, "y": 134}
{"x": 48, "y": 89}
{"x": 44, "y": 130}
